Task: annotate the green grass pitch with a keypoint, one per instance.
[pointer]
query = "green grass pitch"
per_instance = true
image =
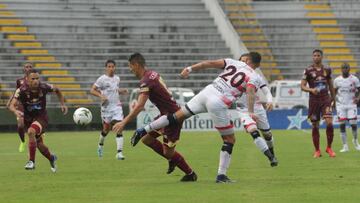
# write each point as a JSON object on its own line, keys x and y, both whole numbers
{"x": 141, "y": 177}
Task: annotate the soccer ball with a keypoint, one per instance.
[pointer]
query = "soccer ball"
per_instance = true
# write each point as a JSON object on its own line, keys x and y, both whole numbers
{"x": 82, "y": 116}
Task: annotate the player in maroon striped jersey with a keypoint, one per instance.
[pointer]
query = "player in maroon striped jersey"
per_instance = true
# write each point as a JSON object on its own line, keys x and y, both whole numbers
{"x": 32, "y": 95}
{"x": 152, "y": 87}
{"x": 20, "y": 121}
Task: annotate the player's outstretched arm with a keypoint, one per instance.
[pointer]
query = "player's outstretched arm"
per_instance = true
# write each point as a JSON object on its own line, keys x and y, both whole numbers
{"x": 119, "y": 127}
{"x": 61, "y": 98}
{"x": 220, "y": 63}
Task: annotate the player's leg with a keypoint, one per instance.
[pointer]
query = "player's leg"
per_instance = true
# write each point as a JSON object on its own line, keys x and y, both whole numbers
{"x": 314, "y": 116}
{"x": 170, "y": 139}
{"x": 353, "y": 123}
{"x": 251, "y": 127}
{"x": 104, "y": 132}
{"x": 342, "y": 116}
{"x": 34, "y": 129}
{"x": 117, "y": 117}
{"x": 44, "y": 150}
{"x": 326, "y": 110}
{"x": 194, "y": 106}
{"x": 263, "y": 125}
{"x": 220, "y": 115}
{"x": 21, "y": 132}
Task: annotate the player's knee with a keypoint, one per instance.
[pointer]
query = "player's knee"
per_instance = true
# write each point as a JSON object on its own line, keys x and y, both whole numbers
{"x": 353, "y": 122}
{"x": 251, "y": 128}
{"x": 342, "y": 127}
{"x": 227, "y": 147}
{"x": 315, "y": 124}
{"x": 267, "y": 134}
{"x": 255, "y": 134}
{"x": 104, "y": 133}
{"x": 229, "y": 138}
{"x": 354, "y": 127}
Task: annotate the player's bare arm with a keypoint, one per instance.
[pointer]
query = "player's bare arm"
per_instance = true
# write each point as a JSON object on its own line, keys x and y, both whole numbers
{"x": 119, "y": 127}
{"x": 220, "y": 64}
{"x": 357, "y": 98}
{"x": 250, "y": 95}
{"x": 123, "y": 91}
{"x": 12, "y": 108}
{"x": 305, "y": 88}
{"x": 94, "y": 91}
{"x": 61, "y": 98}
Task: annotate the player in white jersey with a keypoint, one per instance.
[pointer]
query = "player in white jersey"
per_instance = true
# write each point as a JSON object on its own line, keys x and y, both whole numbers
{"x": 346, "y": 87}
{"x": 216, "y": 98}
{"x": 260, "y": 109}
{"x": 107, "y": 89}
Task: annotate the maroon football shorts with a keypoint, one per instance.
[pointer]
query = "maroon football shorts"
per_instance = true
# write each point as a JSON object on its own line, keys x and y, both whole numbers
{"x": 319, "y": 108}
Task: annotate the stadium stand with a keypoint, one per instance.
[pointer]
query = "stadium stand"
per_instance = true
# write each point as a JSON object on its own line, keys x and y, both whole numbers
{"x": 248, "y": 27}
{"x": 70, "y": 40}
{"x": 292, "y": 29}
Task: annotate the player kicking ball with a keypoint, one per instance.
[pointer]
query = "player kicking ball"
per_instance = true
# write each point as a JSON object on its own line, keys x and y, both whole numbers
{"x": 32, "y": 95}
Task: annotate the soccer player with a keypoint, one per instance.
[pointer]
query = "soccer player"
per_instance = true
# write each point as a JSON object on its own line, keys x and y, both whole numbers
{"x": 346, "y": 87}
{"x": 107, "y": 89}
{"x": 260, "y": 109}
{"x": 20, "y": 121}
{"x": 320, "y": 102}
{"x": 215, "y": 99}
{"x": 32, "y": 95}
{"x": 153, "y": 87}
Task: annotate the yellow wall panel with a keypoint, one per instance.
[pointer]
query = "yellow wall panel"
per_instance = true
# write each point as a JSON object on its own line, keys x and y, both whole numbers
{"x": 27, "y": 44}
{"x": 326, "y": 30}
{"x": 330, "y": 37}
{"x": 55, "y": 72}
{"x": 323, "y": 22}
{"x": 34, "y": 51}
{"x": 10, "y": 22}
{"x": 21, "y": 37}
{"x": 41, "y": 58}
{"x": 13, "y": 29}
{"x": 48, "y": 65}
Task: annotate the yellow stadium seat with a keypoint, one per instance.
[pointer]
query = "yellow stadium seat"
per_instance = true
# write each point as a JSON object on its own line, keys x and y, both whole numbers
{"x": 336, "y": 64}
{"x": 326, "y": 30}
{"x": 62, "y": 79}
{"x": 74, "y": 93}
{"x": 256, "y": 44}
{"x": 13, "y": 29}
{"x": 68, "y": 86}
{"x": 48, "y": 65}
{"x": 41, "y": 58}
{"x": 79, "y": 101}
{"x": 330, "y": 37}
{"x": 34, "y": 51}
{"x": 249, "y": 30}
{"x": 320, "y": 14}
{"x": 317, "y": 7}
{"x": 333, "y": 44}
{"x": 252, "y": 37}
{"x": 10, "y": 22}
{"x": 7, "y": 13}
{"x": 323, "y": 22}
{"x": 337, "y": 51}
{"x": 55, "y": 72}
{"x": 340, "y": 57}
{"x": 27, "y": 44}
{"x": 21, "y": 37}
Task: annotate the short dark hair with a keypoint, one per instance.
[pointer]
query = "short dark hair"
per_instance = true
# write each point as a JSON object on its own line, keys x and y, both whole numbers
{"x": 110, "y": 61}
{"x": 32, "y": 65}
{"x": 318, "y": 51}
{"x": 255, "y": 57}
{"x": 137, "y": 58}
{"x": 244, "y": 55}
{"x": 345, "y": 65}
